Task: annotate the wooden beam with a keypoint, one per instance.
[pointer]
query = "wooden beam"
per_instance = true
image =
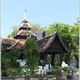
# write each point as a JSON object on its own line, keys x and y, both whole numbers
{"x": 52, "y": 61}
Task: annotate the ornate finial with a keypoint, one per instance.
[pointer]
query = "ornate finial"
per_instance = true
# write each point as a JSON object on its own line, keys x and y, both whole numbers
{"x": 25, "y": 13}
{"x": 25, "y": 9}
{"x": 43, "y": 34}
{"x": 57, "y": 27}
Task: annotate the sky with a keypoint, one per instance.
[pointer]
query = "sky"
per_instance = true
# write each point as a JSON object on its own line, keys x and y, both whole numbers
{"x": 42, "y": 12}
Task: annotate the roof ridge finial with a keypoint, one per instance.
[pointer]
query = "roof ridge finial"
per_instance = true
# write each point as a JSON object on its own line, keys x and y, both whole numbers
{"x": 25, "y": 13}
{"x": 57, "y": 27}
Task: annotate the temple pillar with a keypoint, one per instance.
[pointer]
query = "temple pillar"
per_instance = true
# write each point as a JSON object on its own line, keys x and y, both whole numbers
{"x": 46, "y": 56}
{"x": 61, "y": 57}
{"x": 67, "y": 58}
{"x": 52, "y": 61}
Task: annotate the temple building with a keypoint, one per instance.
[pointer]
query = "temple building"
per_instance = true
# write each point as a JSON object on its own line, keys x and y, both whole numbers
{"x": 49, "y": 45}
{"x": 25, "y": 30}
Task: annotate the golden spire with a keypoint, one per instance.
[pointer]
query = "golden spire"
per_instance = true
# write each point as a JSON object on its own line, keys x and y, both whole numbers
{"x": 25, "y": 13}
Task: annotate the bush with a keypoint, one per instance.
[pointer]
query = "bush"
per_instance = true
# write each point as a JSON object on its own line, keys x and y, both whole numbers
{"x": 3, "y": 73}
{"x": 11, "y": 72}
{"x": 57, "y": 70}
{"x": 68, "y": 69}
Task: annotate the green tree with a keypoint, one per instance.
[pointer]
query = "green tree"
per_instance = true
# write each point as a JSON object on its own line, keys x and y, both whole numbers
{"x": 31, "y": 55}
{"x": 75, "y": 42}
{"x": 8, "y": 60}
{"x": 37, "y": 29}
{"x": 13, "y": 33}
{"x": 63, "y": 30}
{"x": 70, "y": 37}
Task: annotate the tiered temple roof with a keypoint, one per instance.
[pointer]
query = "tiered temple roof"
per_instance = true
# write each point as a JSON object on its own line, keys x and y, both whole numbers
{"x": 46, "y": 43}
{"x": 25, "y": 30}
{"x": 43, "y": 43}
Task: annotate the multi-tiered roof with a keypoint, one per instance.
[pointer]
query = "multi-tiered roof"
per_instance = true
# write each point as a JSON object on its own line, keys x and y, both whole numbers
{"x": 25, "y": 30}
{"x": 50, "y": 43}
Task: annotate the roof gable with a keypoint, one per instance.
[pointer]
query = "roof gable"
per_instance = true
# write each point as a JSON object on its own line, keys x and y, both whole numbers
{"x": 46, "y": 42}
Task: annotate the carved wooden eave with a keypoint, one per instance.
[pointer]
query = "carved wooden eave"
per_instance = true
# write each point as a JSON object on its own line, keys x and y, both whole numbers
{"x": 46, "y": 42}
{"x": 9, "y": 44}
{"x": 25, "y": 33}
{"x": 6, "y": 43}
{"x": 25, "y": 24}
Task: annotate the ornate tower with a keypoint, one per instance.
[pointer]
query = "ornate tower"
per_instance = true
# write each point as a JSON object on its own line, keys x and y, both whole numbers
{"x": 25, "y": 30}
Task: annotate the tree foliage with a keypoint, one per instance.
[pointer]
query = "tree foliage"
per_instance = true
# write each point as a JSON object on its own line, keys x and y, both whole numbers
{"x": 70, "y": 37}
{"x": 37, "y": 29}
{"x": 63, "y": 30}
{"x": 14, "y": 32}
{"x": 8, "y": 60}
{"x": 31, "y": 55}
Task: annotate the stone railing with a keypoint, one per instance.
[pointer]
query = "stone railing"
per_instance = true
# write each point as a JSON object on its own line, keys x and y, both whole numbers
{"x": 23, "y": 78}
{"x": 48, "y": 77}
